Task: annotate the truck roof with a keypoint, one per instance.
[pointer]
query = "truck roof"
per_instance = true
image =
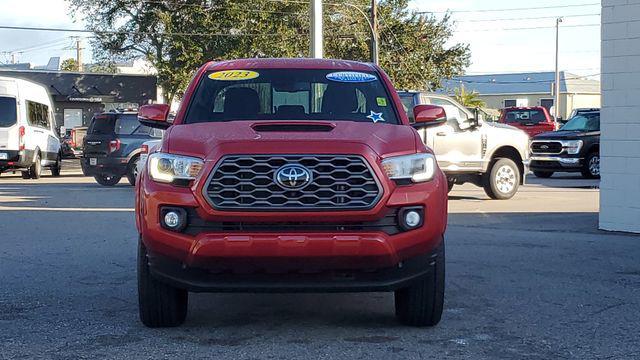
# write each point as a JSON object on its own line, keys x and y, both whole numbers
{"x": 328, "y": 64}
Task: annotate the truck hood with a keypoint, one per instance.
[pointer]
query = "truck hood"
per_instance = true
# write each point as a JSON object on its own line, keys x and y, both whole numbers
{"x": 201, "y": 139}
{"x": 565, "y": 135}
{"x": 504, "y": 131}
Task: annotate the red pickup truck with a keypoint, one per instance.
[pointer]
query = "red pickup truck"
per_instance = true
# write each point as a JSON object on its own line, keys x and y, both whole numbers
{"x": 282, "y": 175}
{"x": 533, "y": 120}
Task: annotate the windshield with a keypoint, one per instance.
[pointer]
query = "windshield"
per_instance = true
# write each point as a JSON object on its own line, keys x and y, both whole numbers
{"x": 525, "y": 116}
{"x": 8, "y": 115}
{"x": 291, "y": 94}
{"x": 585, "y": 122}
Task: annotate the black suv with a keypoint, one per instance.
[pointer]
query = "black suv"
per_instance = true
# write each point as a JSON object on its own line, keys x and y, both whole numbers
{"x": 573, "y": 148}
{"x": 112, "y": 147}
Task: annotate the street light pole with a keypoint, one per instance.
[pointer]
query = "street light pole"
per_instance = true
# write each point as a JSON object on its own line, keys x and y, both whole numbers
{"x": 556, "y": 91}
{"x": 317, "y": 50}
{"x": 375, "y": 53}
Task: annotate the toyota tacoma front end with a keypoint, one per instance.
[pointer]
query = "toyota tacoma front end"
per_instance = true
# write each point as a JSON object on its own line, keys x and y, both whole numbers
{"x": 290, "y": 176}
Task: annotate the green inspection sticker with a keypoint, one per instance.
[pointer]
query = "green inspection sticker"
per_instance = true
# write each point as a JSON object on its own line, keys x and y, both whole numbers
{"x": 381, "y": 101}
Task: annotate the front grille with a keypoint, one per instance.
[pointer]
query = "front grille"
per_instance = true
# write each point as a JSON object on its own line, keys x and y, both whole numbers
{"x": 247, "y": 182}
{"x": 387, "y": 224}
{"x": 546, "y": 147}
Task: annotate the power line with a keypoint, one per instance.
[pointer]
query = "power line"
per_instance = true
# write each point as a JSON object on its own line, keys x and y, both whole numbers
{"x": 33, "y": 47}
{"x": 521, "y": 81}
{"x": 525, "y": 18}
{"x": 101, "y": 32}
{"x": 513, "y": 9}
{"x": 529, "y": 28}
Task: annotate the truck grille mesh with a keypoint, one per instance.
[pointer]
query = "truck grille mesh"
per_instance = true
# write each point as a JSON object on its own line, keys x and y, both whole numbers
{"x": 246, "y": 182}
{"x": 546, "y": 147}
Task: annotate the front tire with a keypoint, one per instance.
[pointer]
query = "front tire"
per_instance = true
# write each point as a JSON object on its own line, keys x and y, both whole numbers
{"x": 55, "y": 169}
{"x": 159, "y": 304}
{"x": 543, "y": 174}
{"x": 107, "y": 180}
{"x": 502, "y": 182}
{"x": 421, "y": 304}
{"x": 132, "y": 171}
{"x": 450, "y": 184}
{"x": 591, "y": 169}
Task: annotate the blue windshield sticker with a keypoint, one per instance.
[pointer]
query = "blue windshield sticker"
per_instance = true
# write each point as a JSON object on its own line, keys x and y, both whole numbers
{"x": 375, "y": 117}
{"x": 351, "y": 77}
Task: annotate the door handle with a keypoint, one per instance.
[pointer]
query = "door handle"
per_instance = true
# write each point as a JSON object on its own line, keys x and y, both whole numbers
{"x": 441, "y": 134}
{"x": 38, "y": 131}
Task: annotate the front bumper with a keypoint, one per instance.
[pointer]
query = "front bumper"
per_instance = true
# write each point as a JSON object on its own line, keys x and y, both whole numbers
{"x": 255, "y": 251}
{"x": 279, "y": 277}
{"x": 556, "y": 163}
{"x": 116, "y": 166}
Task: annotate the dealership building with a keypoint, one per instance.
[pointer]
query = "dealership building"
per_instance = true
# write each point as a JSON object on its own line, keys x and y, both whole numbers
{"x": 620, "y": 120}
{"x": 78, "y": 96}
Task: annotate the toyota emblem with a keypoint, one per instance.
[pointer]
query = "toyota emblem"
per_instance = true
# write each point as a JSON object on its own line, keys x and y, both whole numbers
{"x": 293, "y": 177}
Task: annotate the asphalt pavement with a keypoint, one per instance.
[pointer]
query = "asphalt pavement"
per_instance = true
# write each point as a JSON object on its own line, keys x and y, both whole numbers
{"x": 528, "y": 278}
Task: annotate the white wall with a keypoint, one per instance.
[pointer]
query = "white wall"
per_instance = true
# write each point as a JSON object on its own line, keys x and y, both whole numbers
{"x": 620, "y": 143}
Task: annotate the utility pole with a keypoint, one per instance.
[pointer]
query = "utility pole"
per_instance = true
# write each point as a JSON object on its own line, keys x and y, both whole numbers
{"x": 556, "y": 91}
{"x": 375, "y": 53}
{"x": 13, "y": 58}
{"x": 316, "y": 29}
{"x": 79, "y": 54}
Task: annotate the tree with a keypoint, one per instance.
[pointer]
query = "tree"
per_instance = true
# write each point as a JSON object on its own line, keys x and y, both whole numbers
{"x": 177, "y": 36}
{"x": 69, "y": 65}
{"x": 468, "y": 99}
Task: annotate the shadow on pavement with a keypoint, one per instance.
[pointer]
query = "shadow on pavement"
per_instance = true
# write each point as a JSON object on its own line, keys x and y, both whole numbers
{"x": 557, "y": 222}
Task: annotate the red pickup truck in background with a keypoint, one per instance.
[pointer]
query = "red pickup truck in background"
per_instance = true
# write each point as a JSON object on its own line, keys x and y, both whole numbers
{"x": 533, "y": 120}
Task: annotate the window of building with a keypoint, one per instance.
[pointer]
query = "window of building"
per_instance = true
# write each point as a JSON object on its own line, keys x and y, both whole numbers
{"x": 510, "y": 103}
{"x": 546, "y": 103}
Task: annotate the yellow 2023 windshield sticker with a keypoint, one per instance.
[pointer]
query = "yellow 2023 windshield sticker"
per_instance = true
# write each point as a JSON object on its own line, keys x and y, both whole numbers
{"x": 233, "y": 75}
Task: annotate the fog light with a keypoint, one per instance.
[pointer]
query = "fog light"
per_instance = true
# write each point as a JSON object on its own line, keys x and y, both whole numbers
{"x": 412, "y": 218}
{"x": 172, "y": 219}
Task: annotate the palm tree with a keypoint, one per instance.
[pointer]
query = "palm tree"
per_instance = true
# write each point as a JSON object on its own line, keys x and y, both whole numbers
{"x": 469, "y": 99}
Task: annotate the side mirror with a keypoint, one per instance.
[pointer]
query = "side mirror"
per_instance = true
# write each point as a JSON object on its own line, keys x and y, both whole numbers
{"x": 429, "y": 115}
{"x": 155, "y": 116}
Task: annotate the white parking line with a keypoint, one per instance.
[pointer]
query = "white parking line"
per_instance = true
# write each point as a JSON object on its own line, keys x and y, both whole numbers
{"x": 33, "y": 208}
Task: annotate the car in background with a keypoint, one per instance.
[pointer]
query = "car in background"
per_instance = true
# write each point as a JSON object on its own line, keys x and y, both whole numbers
{"x": 77, "y": 139}
{"x": 112, "y": 146}
{"x": 573, "y": 148}
{"x": 147, "y": 148}
{"x": 28, "y": 139}
{"x": 469, "y": 149}
{"x": 532, "y": 120}
{"x": 580, "y": 111}
{"x": 66, "y": 147}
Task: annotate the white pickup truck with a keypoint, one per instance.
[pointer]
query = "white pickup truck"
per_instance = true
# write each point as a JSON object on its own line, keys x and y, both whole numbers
{"x": 468, "y": 149}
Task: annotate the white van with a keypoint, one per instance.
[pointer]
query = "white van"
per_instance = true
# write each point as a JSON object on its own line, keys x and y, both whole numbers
{"x": 28, "y": 140}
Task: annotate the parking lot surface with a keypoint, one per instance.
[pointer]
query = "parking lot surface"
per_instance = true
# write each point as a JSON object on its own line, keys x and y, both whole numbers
{"x": 528, "y": 278}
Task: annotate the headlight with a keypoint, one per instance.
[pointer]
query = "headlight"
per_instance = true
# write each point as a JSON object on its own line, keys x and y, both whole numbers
{"x": 417, "y": 168}
{"x": 167, "y": 168}
{"x": 573, "y": 146}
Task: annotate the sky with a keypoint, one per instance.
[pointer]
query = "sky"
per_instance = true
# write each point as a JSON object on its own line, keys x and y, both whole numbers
{"x": 500, "y": 41}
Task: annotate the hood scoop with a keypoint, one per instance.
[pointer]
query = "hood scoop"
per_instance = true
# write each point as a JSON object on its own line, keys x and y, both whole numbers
{"x": 293, "y": 126}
